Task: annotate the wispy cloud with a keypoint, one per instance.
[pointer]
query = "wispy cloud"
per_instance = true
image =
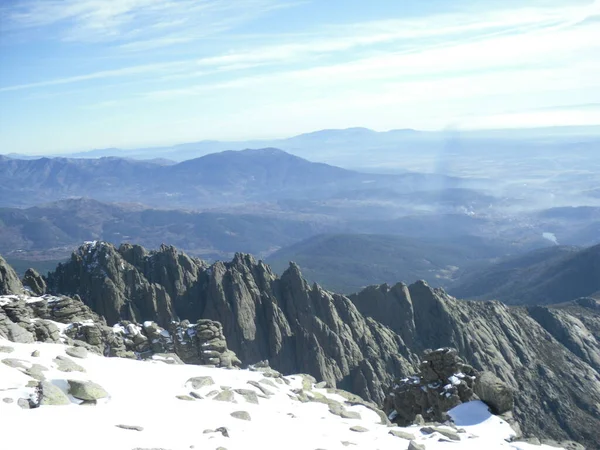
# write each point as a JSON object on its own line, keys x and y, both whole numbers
{"x": 546, "y": 41}
{"x": 117, "y": 73}
{"x": 496, "y": 36}
{"x": 135, "y": 23}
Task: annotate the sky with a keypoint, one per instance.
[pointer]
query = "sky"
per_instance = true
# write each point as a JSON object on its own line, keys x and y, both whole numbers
{"x": 83, "y": 74}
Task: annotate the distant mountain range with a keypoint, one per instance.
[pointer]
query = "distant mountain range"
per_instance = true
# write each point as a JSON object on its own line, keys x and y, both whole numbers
{"x": 331, "y": 141}
{"x": 221, "y": 179}
{"x": 545, "y": 276}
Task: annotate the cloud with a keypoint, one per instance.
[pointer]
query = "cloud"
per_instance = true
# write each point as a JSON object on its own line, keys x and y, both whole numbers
{"x": 116, "y": 73}
{"x": 435, "y": 43}
{"x": 553, "y": 52}
{"x": 136, "y": 23}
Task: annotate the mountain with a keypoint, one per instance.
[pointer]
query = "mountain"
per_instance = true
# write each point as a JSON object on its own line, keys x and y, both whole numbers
{"x": 347, "y": 263}
{"x": 545, "y": 276}
{"x": 222, "y": 179}
{"x": 54, "y": 230}
{"x": 359, "y": 343}
{"x": 331, "y": 142}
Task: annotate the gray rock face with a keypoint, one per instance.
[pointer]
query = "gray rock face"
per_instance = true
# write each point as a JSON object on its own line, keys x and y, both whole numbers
{"x": 26, "y": 319}
{"x": 496, "y": 394}
{"x": 555, "y": 389}
{"x": 202, "y": 343}
{"x": 359, "y": 343}
{"x": 9, "y": 281}
{"x": 444, "y": 382}
{"x": 34, "y": 281}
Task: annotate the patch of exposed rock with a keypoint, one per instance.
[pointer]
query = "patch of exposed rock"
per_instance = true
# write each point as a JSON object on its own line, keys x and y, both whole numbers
{"x": 9, "y": 281}
{"x": 34, "y": 282}
{"x": 444, "y": 381}
{"x": 28, "y": 319}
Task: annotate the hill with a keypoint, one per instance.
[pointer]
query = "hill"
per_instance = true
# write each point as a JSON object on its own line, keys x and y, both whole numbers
{"x": 349, "y": 262}
{"x": 52, "y": 231}
{"x": 221, "y": 179}
{"x": 546, "y": 276}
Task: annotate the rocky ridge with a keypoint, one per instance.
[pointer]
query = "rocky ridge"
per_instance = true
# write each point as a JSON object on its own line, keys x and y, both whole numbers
{"x": 54, "y": 319}
{"x": 359, "y": 343}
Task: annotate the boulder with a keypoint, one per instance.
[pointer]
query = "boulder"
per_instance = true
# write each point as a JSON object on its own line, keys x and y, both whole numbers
{"x": 86, "y": 390}
{"x": 34, "y": 282}
{"x": 249, "y": 395}
{"x": 402, "y": 434}
{"x": 36, "y": 371}
{"x": 444, "y": 381}
{"x": 9, "y": 281}
{"x": 494, "y": 392}
{"x": 77, "y": 352}
{"x": 200, "y": 382}
{"x": 46, "y": 331}
{"x": 242, "y": 415}
{"x": 51, "y": 394}
{"x": 225, "y": 396}
{"x": 413, "y": 445}
{"x": 65, "y": 364}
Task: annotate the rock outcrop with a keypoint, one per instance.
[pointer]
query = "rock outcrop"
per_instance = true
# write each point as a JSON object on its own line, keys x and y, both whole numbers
{"x": 34, "y": 282}
{"x": 547, "y": 364}
{"x": 297, "y": 327}
{"x": 29, "y": 319}
{"x": 444, "y": 381}
{"x": 9, "y": 281}
{"x": 358, "y": 343}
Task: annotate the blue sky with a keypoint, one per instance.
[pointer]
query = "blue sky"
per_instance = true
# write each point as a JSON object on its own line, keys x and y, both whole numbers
{"x": 83, "y": 74}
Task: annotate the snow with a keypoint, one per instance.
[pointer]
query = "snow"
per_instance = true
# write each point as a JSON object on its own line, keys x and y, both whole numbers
{"x": 454, "y": 380}
{"x": 143, "y": 393}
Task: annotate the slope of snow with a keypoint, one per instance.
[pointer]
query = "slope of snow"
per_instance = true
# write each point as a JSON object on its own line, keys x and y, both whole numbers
{"x": 143, "y": 394}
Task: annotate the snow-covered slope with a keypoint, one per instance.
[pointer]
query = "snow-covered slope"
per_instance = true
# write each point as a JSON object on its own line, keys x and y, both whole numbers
{"x": 160, "y": 402}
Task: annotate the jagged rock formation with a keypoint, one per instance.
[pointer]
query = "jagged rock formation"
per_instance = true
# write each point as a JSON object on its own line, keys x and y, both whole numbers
{"x": 358, "y": 343}
{"x": 444, "y": 382}
{"x": 34, "y": 282}
{"x": 548, "y": 366}
{"x": 298, "y": 328}
{"x": 29, "y": 319}
{"x": 9, "y": 281}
